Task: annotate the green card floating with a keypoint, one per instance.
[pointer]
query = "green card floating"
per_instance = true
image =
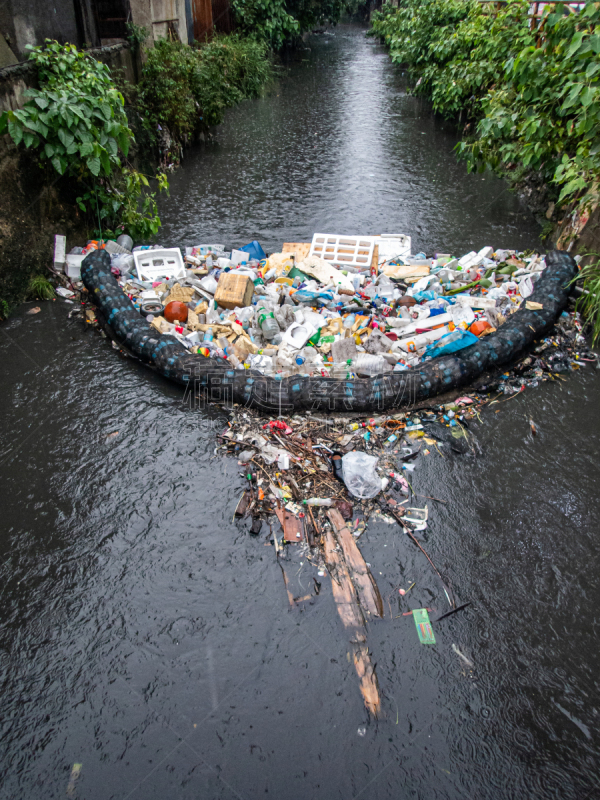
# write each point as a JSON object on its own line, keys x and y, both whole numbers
{"x": 424, "y": 629}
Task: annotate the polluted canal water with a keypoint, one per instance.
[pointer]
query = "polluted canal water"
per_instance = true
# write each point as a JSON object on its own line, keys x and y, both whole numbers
{"x": 148, "y": 647}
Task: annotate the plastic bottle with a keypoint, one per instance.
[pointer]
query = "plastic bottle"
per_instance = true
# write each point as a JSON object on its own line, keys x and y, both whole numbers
{"x": 268, "y": 323}
{"x": 318, "y": 501}
{"x": 365, "y": 364}
{"x": 350, "y": 320}
{"x": 208, "y": 335}
{"x": 125, "y": 241}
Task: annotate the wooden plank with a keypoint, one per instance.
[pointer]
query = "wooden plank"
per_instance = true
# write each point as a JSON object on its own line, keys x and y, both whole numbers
{"x": 369, "y": 688}
{"x": 344, "y": 592}
{"x": 350, "y": 613}
{"x": 292, "y": 526}
{"x": 375, "y": 261}
{"x": 368, "y": 593}
{"x": 203, "y": 19}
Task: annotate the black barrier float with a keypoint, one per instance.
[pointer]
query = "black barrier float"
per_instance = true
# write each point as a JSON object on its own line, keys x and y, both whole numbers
{"x": 216, "y": 381}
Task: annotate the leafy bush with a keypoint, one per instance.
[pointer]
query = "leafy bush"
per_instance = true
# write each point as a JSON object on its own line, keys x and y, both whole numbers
{"x": 589, "y": 302}
{"x": 165, "y": 93}
{"x": 77, "y": 117}
{"x": 454, "y": 49}
{"x": 268, "y": 20}
{"x": 230, "y": 69}
{"x": 310, "y": 13}
{"x": 280, "y": 21}
{"x": 187, "y": 88}
{"x": 534, "y": 95}
{"x": 77, "y": 122}
{"x": 546, "y": 113}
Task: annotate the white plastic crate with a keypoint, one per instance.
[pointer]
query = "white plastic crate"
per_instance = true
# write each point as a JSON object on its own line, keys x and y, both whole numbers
{"x": 151, "y": 265}
{"x": 343, "y": 251}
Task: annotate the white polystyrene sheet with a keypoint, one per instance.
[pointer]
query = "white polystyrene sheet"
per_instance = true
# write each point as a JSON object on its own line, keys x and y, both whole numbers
{"x": 393, "y": 246}
{"x": 160, "y": 263}
{"x": 321, "y": 270}
{"x": 343, "y": 251}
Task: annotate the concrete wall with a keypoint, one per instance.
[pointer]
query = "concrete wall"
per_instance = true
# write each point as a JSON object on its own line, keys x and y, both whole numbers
{"x": 24, "y": 22}
{"x": 14, "y": 80}
{"x": 160, "y": 17}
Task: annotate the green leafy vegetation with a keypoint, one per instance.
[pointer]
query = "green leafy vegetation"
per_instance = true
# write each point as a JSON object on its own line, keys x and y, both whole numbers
{"x": 187, "y": 89}
{"x": 268, "y": 20}
{"x": 40, "y": 288}
{"x": 76, "y": 121}
{"x": 136, "y": 35}
{"x": 280, "y": 21}
{"x": 589, "y": 302}
{"x": 530, "y": 97}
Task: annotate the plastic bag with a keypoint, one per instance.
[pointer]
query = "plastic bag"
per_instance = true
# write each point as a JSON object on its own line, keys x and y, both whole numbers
{"x": 451, "y": 343}
{"x": 358, "y": 472}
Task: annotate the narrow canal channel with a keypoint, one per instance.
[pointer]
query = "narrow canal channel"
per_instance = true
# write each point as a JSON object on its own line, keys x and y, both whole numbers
{"x": 147, "y": 637}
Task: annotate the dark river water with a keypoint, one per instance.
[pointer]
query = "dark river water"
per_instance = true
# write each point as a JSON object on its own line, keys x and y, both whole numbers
{"x": 147, "y": 637}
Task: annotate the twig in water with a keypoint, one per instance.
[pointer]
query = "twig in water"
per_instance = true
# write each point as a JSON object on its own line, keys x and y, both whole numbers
{"x": 452, "y": 611}
{"x": 409, "y": 532}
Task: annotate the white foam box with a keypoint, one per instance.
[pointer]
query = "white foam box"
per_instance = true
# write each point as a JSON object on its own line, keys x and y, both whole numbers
{"x": 152, "y": 265}
{"x": 73, "y": 266}
{"x": 239, "y": 257}
{"x": 60, "y": 246}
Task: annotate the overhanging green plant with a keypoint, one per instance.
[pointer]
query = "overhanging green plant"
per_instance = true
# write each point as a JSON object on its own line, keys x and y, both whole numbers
{"x": 532, "y": 94}
{"x": 229, "y": 69}
{"x": 136, "y": 35}
{"x": 128, "y": 207}
{"x": 589, "y": 302}
{"x": 77, "y": 122}
{"x": 268, "y": 20}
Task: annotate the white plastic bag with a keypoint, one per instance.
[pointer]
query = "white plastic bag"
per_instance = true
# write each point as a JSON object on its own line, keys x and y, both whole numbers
{"x": 358, "y": 471}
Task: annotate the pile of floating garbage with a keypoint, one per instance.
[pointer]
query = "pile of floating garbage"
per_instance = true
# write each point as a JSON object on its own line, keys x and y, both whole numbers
{"x": 276, "y": 331}
{"x": 273, "y": 331}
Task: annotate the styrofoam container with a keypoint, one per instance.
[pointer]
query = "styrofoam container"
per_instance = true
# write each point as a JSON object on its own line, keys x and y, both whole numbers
{"x": 343, "y": 251}
{"x": 73, "y": 266}
{"x": 297, "y": 335}
{"x": 160, "y": 263}
{"x": 239, "y": 257}
{"x": 475, "y": 302}
{"x": 60, "y": 246}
